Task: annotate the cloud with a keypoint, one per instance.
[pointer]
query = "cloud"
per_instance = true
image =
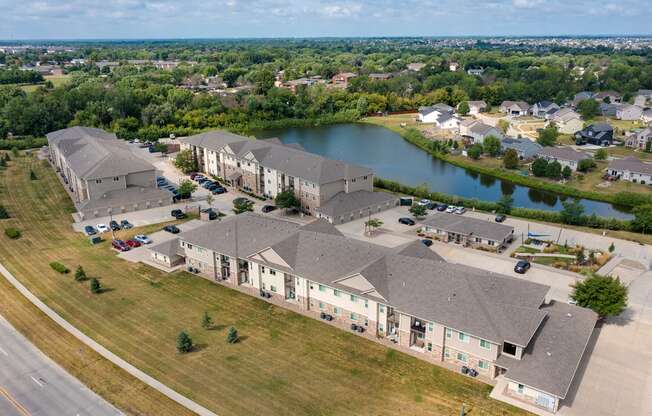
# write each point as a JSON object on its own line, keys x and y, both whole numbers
{"x": 526, "y": 4}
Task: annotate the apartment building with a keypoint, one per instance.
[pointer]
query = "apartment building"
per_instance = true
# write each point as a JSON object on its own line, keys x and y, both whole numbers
{"x": 268, "y": 167}
{"x": 102, "y": 175}
{"x": 496, "y": 325}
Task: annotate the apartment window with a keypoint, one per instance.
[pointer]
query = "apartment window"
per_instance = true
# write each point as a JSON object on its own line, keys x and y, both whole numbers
{"x": 189, "y": 246}
{"x": 262, "y": 269}
{"x": 478, "y": 240}
{"x": 447, "y": 353}
{"x": 337, "y": 310}
{"x": 366, "y": 303}
{"x": 431, "y": 327}
{"x": 483, "y": 364}
{"x": 381, "y": 328}
{"x": 365, "y": 178}
{"x": 272, "y": 288}
{"x": 116, "y": 178}
{"x": 449, "y": 333}
{"x": 272, "y": 272}
{"x": 336, "y": 293}
{"x": 321, "y": 305}
{"x": 463, "y": 337}
{"x": 461, "y": 357}
{"x": 98, "y": 180}
{"x": 269, "y": 171}
{"x": 429, "y": 346}
{"x": 485, "y": 344}
{"x": 354, "y": 298}
{"x": 382, "y": 308}
{"x": 322, "y": 288}
{"x": 492, "y": 243}
{"x": 509, "y": 349}
{"x": 521, "y": 388}
{"x": 354, "y": 316}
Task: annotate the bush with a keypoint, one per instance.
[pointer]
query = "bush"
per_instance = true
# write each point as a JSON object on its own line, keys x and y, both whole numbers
{"x": 510, "y": 159}
{"x": 475, "y": 151}
{"x": 232, "y": 336}
{"x": 539, "y": 167}
{"x": 12, "y": 233}
{"x": 567, "y": 172}
{"x": 184, "y": 342}
{"x": 3, "y": 213}
{"x": 80, "y": 274}
{"x": 95, "y": 286}
{"x": 601, "y": 154}
{"x": 32, "y": 175}
{"x": 56, "y": 266}
{"x": 206, "y": 321}
{"x": 632, "y": 199}
{"x": 586, "y": 165}
{"x": 606, "y": 296}
{"x": 553, "y": 170}
{"x": 492, "y": 146}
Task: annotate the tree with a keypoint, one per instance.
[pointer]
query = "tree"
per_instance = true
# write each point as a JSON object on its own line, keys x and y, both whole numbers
{"x": 510, "y": 159}
{"x": 186, "y": 161}
{"x": 588, "y": 108}
{"x": 601, "y": 154}
{"x": 505, "y": 204}
{"x": 503, "y": 125}
{"x": 373, "y": 224}
{"x": 492, "y": 146}
{"x": 15, "y": 152}
{"x": 553, "y": 170}
{"x": 548, "y": 136}
{"x": 232, "y": 336}
{"x": 241, "y": 205}
{"x": 418, "y": 211}
{"x": 209, "y": 200}
{"x": 186, "y": 188}
{"x": 642, "y": 221}
{"x": 184, "y": 342}
{"x": 475, "y": 151}
{"x": 362, "y": 106}
{"x": 605, "y": 295}
{"x": 95, "y": 285}
{"x": 586, "y": 165}
{"x": 571, "y": 212}
{"x": 463, "y": 108}
{"x": 3, "y": 213}
{"x": 539, "y": 167}
{"x": 580, "y": 258}
{"x": 287, "y": 200}
{"x": 32, "y": 175}
{"x": 80, "y": 274}
{"x": 567, "y": 172}
{"x": 206, "y": 321}
{"x": 612, "y": 247}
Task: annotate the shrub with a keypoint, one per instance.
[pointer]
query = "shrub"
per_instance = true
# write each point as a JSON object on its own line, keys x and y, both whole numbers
{"x": 510, "y": 160}
{"x": 539, "y": 167}
{"x": 475, "y": 151}
{"x": 606, "y": 296}
{"x": 80, "y": 274}
{"x": 184, "y": 342}
{"x": 566, "y": 172}
{"x": 206, "y": 321}
{"x": 232, "y": 336}
{"x": 632, "y": 199}
{"x": 12, "y": 233}
{"x": 418, "y": 210}
{"x": 553, "y": 170}
{"x": 95, "y": 286}
{"x": 56, "y": 266}
{"x": 586, "y": 165}
{"x": 3, "y": 213}
{"x": 492, "y": 146}
{"x": 601, "y": 154}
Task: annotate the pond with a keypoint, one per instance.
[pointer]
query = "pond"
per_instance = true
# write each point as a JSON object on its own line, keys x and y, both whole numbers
{"x": 393, "y": 158}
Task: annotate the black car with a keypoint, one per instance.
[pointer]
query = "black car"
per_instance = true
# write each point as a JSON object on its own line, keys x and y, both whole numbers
{"x": 241, "y": 200}
{"x": 500, "y": 218}
{"x": 212, "y": 215}
{"x": 171, "y": 229}
{"x": 126, "y": 225}
{"x": 406, "y": 221}
{"x": 522, "y": 266}
{"x": 218, "y": 190}
{"x": 208, "y": 184}
{"x": 90, "y": 230}
{"x": 178, "y": 214}
{"x": 441, "y": 207}
{"x": 114, "y": 225}
{"x": 431, "y": 205}
{"x": 268, "y": 208}
{"x": 426, "y": 242}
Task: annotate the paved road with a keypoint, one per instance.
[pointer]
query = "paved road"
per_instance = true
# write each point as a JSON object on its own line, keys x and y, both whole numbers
{"x": 32, "y": 384}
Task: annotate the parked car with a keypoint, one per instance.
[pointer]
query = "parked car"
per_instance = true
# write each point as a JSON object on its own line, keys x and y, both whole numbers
{"x": 431, "y": 205}
{"x": 268, "y": 208}
{"x": 143, "y": 239}
{"x": 426, "y": 242}
{"x": 126, "y": 225}
{"x": 522, "y": 266}
{"x": 406, "y": 221}
{"x": 133, "y": 243}
{"x": 197, "y": 178}
{"x": 90, "y": 230}
{"x": 241, "y": 200}
{"x": 451, "y": 208}
{"x": 212, "y": 215}
{"x": 102, "y": 228}
{"x": 120, "y": 245}
{"x": 178, "y": 214}
{"x": 218, "y": 190}
{"x": 172, "y": 229}
{"x": 207, "y": 184}
{"x": 500, "y": 218}
{"x": 202, "y": 180}
{"x": 193, "y": 175}
{"x": 441, "y": 207}
{"x": 460, "y": 210}
{"x": 424, "y": 202}
{"x": 405, "y": 202}
{"x": 114, "y": 225}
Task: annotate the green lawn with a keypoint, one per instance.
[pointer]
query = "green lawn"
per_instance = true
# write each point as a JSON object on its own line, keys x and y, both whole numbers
{"x": 56, "y": 80}
{"x": 285, "y": 364}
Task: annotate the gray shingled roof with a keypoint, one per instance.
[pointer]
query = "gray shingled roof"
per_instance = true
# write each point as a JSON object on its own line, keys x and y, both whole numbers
{"x": 469, "y": 226}
{"x": 563, "y": 153}
{"x": 212, "y": 140}
{"x": 125, "y": 197}
{"x": 94, "y": 154}
{"x": 525, "y": 146}
{"x": 631, "y": 164}
{"x": 551, "y": 360}
{"x": 167, "y": 248}
{"x": 345, "y": 203}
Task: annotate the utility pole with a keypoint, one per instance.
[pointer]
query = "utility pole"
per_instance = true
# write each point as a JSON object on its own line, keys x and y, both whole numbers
{"x": 110, "y": 221}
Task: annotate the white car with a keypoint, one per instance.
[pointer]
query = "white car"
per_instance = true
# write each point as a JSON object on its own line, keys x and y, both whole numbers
{"x": 451, "y": 209}
{"x": 103, "y": 228}
{"x": 424, "y": 202}
{"x": 143, "y": 239}
{"x": 460, "y": 210}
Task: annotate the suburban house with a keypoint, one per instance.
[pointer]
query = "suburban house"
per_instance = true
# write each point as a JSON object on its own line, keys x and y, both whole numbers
{"x": 598, "y": 134}
{"x": 478, "y": 72}
{"x": 640, "y": 139}
{"x": 525, "y": 148}
{"x": 629, "y": 112}
{"x": 543, "y": 108}
{"x": 581, "y": 96}
{"x": 102, "y": 175}
{"x": 416, "y": 66}
{"x": 567, "y": 121}
{"x": 477, "y": 107}
{"x": 477, "y": 131}
{"x": 646, "y": 116}
{"x": 640, "y": 101}
{"x": 430, "y": 114}
{"x": 564, "y": 155}
{"x": 468, "y": 231}
{"x": 645, "y": 93}
{"x": 453, "y": 66}
{"x": 631, "y": 169}
{"x": 515, "y": 108}
{"x": 268, "y": 167}
{"x": 609, "y": 110}
{"x": 342, "y": 79}
{"x": 608, "y": 97}
{"x": 405, "y": 297}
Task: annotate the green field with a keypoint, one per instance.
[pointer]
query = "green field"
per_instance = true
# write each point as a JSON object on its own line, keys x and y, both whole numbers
{"x": 285, "y": 363}
{"x": 56, "y": 80}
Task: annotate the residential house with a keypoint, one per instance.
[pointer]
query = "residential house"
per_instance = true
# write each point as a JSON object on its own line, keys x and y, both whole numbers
{"x": 598, "y": 134}
{"x": 608, "y": 97}
{"x": 640, "y": 101}
{"x": 477, "y": 131}
{"x": 581, "y": 96}
{"x": 441, "y": 312}
{"x": 631, "y": 169}
{"x": 381, "y": 77}
{"x": 342, "y": 79}
{"x": 567, "y": 121}
{"x": 645, "y": 93}
{"x": 476, "y": 107}
{"x": 646, "y": 116}
{"x": 543, "y": 108}
{"x": 639, "y": 139}
{"x": 629, "y": 112}
{"x": 102, "y": 174}
{"x": 515, "y": 108}
{"x": 269, "y": 167}
{"x": 431, "y": 113}
{"x": 416, "y": 66}
{"x": 609, "y": 110}
{"x": 525, "y": 148}
{"x": 468, "y": 231}
{"x": 453, "y": 66}
{"x": 564, "y": 155}
{"x": 478, "y": 72}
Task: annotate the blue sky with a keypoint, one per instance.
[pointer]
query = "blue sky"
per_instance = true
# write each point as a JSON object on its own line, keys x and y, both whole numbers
{"x": 65, "y": 19}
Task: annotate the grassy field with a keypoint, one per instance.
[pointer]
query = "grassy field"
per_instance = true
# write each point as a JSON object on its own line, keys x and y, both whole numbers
{"x": 56, "y": 80}
{"x": 285, "y": 364}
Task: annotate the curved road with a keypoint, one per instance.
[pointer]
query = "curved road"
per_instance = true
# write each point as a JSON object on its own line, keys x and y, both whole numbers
{"x": 32, "y": 384}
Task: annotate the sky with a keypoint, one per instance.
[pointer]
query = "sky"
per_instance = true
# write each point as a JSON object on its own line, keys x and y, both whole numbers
{"x": 135, "y": 19}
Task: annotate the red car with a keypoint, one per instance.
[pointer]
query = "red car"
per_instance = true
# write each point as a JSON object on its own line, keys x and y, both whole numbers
{"x": 120, "y": 245}
{"x": 133, "y": 243}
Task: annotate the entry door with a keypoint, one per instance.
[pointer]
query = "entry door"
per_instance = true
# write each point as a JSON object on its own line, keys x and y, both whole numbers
{"x": 546, "y": 401}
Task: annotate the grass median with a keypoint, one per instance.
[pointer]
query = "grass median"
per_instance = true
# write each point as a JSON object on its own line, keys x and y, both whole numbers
{"x": 284, "y": 364}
